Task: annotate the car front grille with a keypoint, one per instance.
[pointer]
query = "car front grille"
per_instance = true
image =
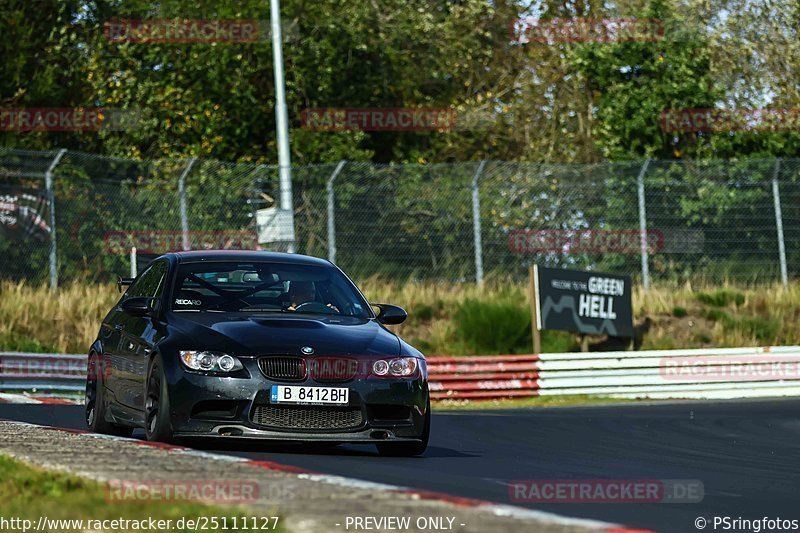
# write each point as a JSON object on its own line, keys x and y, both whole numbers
{"x": 307, "y": 417}
{"x": 283, "y": 368}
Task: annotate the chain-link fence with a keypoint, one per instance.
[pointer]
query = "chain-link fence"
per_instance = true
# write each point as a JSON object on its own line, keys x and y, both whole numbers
{"x": 67, "y": 216}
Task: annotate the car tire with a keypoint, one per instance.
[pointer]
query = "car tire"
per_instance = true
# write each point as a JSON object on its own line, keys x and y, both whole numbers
{"x": 95, "y": 402}
{"x": 157, "y": 423}
{"x": 409, "y": 449}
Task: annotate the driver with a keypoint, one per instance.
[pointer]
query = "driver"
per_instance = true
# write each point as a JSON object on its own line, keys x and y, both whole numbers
{"x": 302, "y": 292}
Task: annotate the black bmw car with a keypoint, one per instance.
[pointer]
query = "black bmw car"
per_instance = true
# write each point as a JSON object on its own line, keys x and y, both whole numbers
{"x": 255, "y": 345}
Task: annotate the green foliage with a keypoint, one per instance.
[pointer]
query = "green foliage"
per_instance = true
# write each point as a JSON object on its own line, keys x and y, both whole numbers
{"x": 566, "y": 102}
{"x": 422, "y": 312}
{"x": 558, "y": 342}
{"x": 679, "y": 312}
{"x": 17, "y": 343}
{"x": 717, "y": 315}
{"x": 702, "y": 338}
{"x": 498, "y": 326}
{"x": 764, "y": 329}
{"x": 722, "y": 298}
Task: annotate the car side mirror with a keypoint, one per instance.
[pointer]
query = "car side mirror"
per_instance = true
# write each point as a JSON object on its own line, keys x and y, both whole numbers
{"x": 391, "y": 314}
{"x": 138, "y": 306}
{"x": 124, "y": 282}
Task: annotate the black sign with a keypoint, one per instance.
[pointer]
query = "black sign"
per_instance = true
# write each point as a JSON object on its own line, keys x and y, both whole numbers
{"x": 591, "y": 303}
{"x": 24, "y": 212}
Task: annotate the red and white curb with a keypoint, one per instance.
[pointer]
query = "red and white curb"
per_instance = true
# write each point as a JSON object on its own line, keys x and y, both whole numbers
{"x": 496, "y": 509}
{"x": 28, "y": 400}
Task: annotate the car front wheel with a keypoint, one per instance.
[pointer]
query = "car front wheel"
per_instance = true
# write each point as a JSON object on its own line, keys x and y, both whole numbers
{"x": 157, "y": 425}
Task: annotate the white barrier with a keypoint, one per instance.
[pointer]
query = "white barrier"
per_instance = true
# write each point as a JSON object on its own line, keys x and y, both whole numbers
{"x": 657, "y": 374}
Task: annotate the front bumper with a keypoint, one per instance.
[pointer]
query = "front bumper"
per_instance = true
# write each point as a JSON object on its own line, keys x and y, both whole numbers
{"x": 224, "y": 407}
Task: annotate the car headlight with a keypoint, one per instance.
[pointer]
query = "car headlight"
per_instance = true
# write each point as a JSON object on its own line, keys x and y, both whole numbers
{"x": 206, "y": 361}
{"x": 400, "y": 367}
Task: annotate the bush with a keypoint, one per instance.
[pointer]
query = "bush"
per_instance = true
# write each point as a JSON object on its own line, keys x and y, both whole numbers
{"x": 702, "y": 338}
{"x": 717, "y": 315}
{"x": 679, "y": 312}
{"x": 499, "y": 326}
{"x": 763, "y": 329}
{"x": 422, "y": 313}
{"x": 721, "y": 298}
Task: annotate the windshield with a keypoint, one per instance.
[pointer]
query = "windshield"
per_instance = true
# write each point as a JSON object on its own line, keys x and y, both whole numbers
{"x": 258, "y": 287}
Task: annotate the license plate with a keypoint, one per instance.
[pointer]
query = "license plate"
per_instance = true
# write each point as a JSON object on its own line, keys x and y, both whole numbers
{"x": 309, "y": 395}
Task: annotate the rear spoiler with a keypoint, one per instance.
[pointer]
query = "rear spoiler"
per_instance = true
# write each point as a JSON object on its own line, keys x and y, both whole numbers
{"x": 123, "y": 282}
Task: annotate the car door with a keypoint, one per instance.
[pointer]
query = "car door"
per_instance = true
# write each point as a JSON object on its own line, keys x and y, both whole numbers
{"x": 111, "y": 335}
{"x": 136, "y": 339}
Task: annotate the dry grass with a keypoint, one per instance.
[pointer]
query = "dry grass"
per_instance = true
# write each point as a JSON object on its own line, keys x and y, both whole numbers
{"x": 768, "y": 315}
{"x": 34, "y": 319}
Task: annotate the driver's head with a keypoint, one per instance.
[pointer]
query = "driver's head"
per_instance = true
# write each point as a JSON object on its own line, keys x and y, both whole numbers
{"x": 301, "y": 292}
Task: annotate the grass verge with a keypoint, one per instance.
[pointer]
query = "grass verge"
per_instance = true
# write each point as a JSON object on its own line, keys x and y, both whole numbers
{"x": 28, "y": 493}
{"x": 536, "y": 401}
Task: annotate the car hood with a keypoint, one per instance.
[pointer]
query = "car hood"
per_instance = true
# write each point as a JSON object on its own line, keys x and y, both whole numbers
{"x": 273, "y": 335}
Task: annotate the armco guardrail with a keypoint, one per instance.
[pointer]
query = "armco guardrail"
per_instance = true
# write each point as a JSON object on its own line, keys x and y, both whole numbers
{"x": 714, "y": 373}
{"x": 42, "y": 371}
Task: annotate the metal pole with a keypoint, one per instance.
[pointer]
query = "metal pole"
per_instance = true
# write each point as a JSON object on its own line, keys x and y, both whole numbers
{"x": 536, "y": 321}
{"x": 331, "y": 214}
{"x": 182, "y": 199}
{"x": 48, "y": 184}
{"x": 476, "y": 224}
{"x": 282, "y": 120}
{"x": 134, "y": 266}
{"x": 643, "y": 226}
{"x": 776, "y": 196}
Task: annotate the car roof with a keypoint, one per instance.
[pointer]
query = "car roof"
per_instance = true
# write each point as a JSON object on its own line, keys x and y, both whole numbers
{"x": 194, "y": 256}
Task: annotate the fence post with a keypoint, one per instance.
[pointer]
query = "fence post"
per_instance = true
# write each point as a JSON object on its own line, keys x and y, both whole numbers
{"x": 134, "y": 266}
{"x": 331, "y": 213}
{"x": 643, "y": 226}
{"x": 51, "y": 196}
{"x": 182, "y": 199}
{"x": 476, "y": 224}
{"x": 776, "y": 197}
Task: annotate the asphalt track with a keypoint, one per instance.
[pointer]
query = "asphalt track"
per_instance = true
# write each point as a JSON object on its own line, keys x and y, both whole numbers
{"x": 746, "y": 453}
